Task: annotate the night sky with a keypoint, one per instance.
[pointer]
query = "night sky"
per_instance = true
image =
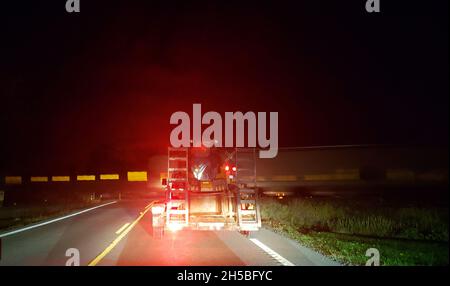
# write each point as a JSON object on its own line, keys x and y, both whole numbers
{"x": 96, "y": 89}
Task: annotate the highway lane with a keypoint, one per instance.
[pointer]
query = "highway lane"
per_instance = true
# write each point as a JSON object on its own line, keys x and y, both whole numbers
{"x": 89, "y": 232}
{"x": 121, "y": 234}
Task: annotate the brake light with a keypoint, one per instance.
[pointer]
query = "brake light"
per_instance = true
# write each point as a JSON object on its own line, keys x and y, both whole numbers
{"x": 234, "y": 169}
{"x": 227, "y": 168}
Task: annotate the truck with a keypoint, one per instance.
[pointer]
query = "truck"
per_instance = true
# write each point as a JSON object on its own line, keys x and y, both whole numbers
{"x": 209, "y": 189}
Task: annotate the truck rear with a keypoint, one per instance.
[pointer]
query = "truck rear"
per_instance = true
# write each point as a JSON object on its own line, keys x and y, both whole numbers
{"x": 211, "y": 188}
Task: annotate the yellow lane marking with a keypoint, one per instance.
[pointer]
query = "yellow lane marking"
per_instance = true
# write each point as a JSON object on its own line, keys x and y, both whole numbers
{"x": 60, "y": 178}
{"x": 13, "y": 180}
{"x": 117, "y": 240}
{"x": 122, "y": 228}
{"x": 331, "y": 177}
{"x": 149, "y": 205}
{"x": 285, "y": 178}
{"x": 39, "y": 179}
{"x": 400, "y": 174}
{"x": 86, "y": 178}
{"x": 109, "y": 176}
{"x": 137, "y": 176}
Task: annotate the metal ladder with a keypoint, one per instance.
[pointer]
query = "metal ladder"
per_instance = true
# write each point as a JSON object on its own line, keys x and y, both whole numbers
{"x": 249, "y": 217}
{"x": 177, "y": 187}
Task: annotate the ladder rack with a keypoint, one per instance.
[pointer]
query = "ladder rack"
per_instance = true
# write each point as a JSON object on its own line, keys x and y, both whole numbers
{"x": 178, "y": 184}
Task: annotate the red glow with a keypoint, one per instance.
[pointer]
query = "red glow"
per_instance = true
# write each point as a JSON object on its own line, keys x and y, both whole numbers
{"x": 227, "y": 168}
{"x": 234, "y": 169}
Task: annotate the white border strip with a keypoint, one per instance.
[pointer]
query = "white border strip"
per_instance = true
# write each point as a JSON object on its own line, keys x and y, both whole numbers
{"x": 53, "y": 220}
{"x": 272, "y": 253}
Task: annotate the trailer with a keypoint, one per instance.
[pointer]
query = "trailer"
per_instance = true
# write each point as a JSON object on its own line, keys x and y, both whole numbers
{"x": 209, "y": 189}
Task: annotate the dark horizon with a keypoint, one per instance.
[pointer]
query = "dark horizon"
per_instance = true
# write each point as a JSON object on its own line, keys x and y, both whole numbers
{"x": 76, "y": 88}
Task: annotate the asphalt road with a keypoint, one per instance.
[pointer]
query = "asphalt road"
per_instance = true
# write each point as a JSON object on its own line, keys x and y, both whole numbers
{"x": 121, "y": 234}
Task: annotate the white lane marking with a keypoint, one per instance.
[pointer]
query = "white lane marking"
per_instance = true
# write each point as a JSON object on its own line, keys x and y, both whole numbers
{"x": 122, "y": 228}
{"x": 272, "y": 253}
{"x": 53, "y": 220}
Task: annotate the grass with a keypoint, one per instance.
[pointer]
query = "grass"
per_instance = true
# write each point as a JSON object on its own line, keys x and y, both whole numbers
{"x": 344, "y": 230}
